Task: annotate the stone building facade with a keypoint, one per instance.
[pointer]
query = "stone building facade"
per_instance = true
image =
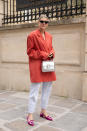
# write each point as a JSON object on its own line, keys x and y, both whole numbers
{"x": 70, "y": 44}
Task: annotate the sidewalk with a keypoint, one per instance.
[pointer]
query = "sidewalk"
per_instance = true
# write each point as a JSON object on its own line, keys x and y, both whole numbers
{"x": 68, "y": 114}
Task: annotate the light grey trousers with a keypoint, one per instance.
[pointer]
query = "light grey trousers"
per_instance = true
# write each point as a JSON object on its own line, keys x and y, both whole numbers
{"x": 33, "y": 95}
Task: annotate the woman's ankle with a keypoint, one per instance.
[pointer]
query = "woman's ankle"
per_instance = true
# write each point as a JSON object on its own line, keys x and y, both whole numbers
{"x": 43, "y": 110}
{"x": 30, "y": 115}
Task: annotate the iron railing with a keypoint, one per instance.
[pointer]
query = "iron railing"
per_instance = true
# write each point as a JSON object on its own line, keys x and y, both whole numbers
{"x": 54, "y": 11}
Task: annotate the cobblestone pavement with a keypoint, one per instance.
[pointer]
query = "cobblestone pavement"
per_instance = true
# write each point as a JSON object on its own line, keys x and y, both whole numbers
{"x": 68, "y": 114}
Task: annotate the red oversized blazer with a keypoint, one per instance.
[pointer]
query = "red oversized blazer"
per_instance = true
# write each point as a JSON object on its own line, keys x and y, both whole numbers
{"x": 38, "y": 50}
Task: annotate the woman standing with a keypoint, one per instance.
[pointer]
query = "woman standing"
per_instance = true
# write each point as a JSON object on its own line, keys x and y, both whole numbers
{"x": 39, "y": 48}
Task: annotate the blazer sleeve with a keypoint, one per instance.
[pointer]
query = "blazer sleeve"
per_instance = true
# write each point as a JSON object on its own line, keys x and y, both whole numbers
{"x": 35, "y": 53}
{"x": 52, "y": 50}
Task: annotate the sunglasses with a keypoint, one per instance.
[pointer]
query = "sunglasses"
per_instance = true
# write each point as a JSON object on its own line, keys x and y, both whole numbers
{"x": 46, "y": 22}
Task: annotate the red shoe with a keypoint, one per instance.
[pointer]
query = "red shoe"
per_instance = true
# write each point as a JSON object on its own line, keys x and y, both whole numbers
{"x": 30, "y": 122}
{"x": 46, "y": 117}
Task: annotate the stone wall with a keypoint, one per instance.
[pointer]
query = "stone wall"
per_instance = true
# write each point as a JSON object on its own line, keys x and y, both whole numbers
{"x": 84, "y": 86}
{"x": 69, "y": 45}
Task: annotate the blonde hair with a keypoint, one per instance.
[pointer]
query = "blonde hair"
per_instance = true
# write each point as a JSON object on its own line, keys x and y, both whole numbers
{"x": 43, "y": 16}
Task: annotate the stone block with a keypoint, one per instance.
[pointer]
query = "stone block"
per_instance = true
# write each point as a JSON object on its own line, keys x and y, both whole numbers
{"x": 66, "y": 103}
{"x": 85, "y": 129}
{"x": 55, "y": 109}
{"x": 85, "y": 43}
{"x": 13, "y": 78}
{"x": 67, "y": 48}
{"x": 84, "y": 87}
{"x": 85, "y": 62}
{"x": 48, "y": 128}
{"x": 1, "y": 129}
{"x": 19, "y": 125}
{"x": 6, "y": 95}
{"x": 81, "y": 109}
{"x": 5, "y": 106}
{"x": 14, "y": 48}
{"x": 12, "y": 114}
{"x": 68, "y": 44}
{"x": 68, "y": 84}
{"x": 86, "y": 25}
{"x": 71, "y": 122}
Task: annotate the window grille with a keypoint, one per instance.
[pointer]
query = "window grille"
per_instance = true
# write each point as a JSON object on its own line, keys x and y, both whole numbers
{"x": 69, "y": 8}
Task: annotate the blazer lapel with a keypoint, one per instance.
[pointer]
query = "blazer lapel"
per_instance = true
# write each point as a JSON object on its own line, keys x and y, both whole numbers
{"x": 43, "y": 43}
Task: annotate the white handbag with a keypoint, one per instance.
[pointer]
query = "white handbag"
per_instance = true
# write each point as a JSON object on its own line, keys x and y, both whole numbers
{"x": 48, "y": 66}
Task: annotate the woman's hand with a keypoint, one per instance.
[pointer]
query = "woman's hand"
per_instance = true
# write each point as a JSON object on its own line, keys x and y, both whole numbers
{"x": 50, "y": 55}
